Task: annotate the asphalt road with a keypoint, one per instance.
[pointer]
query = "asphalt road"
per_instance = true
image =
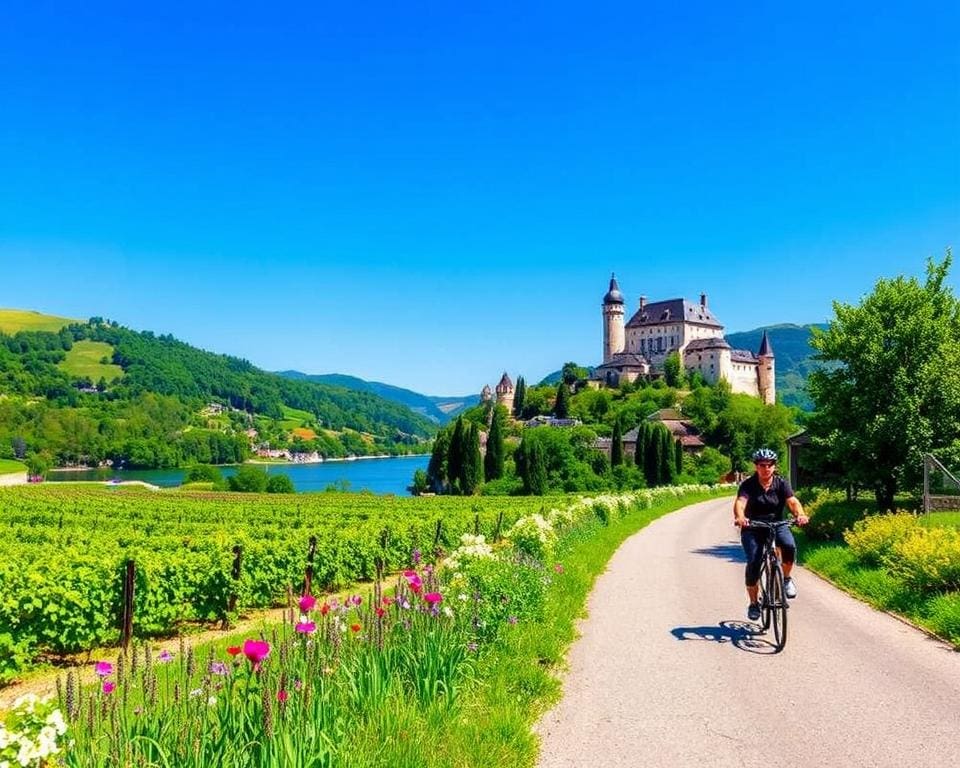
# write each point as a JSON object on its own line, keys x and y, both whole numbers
{"x": 668, "y": 672}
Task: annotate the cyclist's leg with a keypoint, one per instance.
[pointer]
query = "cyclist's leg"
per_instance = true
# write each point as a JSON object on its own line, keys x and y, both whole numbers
{"x": 787, "y": 547}
{"x": 753, "y": 549}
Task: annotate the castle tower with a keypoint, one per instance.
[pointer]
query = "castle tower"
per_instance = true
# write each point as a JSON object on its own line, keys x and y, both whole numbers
{"x": 505, "y": 392}
{"x": 614, "y": 339}
{"x": 766, "y": 383}
{"x": 486, "y": 394}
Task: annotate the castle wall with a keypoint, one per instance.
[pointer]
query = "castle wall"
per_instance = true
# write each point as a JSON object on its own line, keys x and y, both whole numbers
{"x": 743, "y": 379}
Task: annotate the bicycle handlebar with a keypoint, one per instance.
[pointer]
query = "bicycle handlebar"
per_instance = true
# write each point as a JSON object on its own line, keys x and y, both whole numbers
{"x": 769, "y": 525}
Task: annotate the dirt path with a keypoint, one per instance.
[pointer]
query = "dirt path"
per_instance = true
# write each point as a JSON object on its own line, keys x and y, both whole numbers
{"x": 668, "y": 672}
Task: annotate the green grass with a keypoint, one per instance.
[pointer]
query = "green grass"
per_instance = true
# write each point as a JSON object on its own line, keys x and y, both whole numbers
{"x": 14, "y": 320}
{"x": 835, "y": 562}
{"x": 83, "y": 360}
{"x": 293, "y": 418}
{"x": 945, "y": 519}
{"x": 9, "y": 467}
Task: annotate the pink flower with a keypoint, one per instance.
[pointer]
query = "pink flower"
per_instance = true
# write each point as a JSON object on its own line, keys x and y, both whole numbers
{"x": 558, "y": 567}
{"x": 108, "y": 687}
{"x": 511, "y": 620}
{"x": 306, "y": 627}
{"x": 104, "y": 668}
{"x": 307, "y": 602}
{"x": 282, "y": 696}
{"x": 433, "y": 597}
{"x": 355, "y": 600}
{"x": 164, "y": 657}
{"x": 256, "y": 651}
{"x": 380, "y": 612}
{"x": 409, "y": 574}
{"x": 416, "y": 587}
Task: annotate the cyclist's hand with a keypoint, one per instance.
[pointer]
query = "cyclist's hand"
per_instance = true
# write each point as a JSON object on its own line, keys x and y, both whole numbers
{"x": 802, "y": 519}
{"x": 741, "y": 522}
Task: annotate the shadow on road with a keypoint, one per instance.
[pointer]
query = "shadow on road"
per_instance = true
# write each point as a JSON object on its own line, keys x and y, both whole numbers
{"x": 740, "y": 634}
{"x": 730, "y": 552}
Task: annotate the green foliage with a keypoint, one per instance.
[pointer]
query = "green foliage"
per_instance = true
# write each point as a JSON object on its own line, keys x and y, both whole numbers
{"x": 561, "y": 404}
{"x": 571, "y": 373}
{"x": 421, "y": 482}
{"x": 893, "y": 391}
{"x": 203, "y": 473}
{"x": 710, "y": 466}
{"x": 493, "y": 460}
{"x": 472, "y": 462}
{"x": 673, "y": 372}
{"x": 280, "y": 484}
{"x": 616, "y": 445}
{"x": 872, "y": 540}
{"x": 519, "y": 397}
{"x": 438, "y": 471}
{"x": 927, "y": 559}
{"x": 248, "y": 479}
{"x": 831, "y": 516}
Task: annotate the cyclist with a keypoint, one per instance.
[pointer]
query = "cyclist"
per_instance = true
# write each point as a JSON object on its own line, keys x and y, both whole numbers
{"x": 762, "y": 496}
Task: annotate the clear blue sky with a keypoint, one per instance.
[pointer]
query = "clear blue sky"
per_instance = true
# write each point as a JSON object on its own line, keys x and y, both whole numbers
{"x": 430, "y": 193}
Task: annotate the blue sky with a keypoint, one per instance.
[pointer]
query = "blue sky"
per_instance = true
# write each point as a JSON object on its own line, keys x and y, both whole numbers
{"x": 428, "y": 194}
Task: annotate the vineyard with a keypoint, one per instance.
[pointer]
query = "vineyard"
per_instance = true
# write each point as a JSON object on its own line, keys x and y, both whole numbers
{"x": 64, "y": 553}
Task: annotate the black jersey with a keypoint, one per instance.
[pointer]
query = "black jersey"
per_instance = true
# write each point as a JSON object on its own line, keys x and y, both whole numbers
{"x": 765, "y": 505}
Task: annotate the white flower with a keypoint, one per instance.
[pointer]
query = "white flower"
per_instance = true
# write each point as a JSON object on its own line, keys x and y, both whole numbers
{"x": 212, "y": 701}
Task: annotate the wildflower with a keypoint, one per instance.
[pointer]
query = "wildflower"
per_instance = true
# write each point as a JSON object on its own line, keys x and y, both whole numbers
{"x": 511, "y": 620}
{"x": 416, "y": 557}
{"x": 212, "y": 701}
{"x": 447, "y": 611}
{"x": 104, "y": 668}
{"x": 282, "y": 696}
{"x": 462, "y": 597}
{"x": 218, "y": 668}
{"x": 108, "y": 686}
{"x": 433, "y": 597}
{"x": 472, "y": 647}
{"x": 388, "y": 601}
{"x": 297, "y": 685}
{"x": 558, "y": 567}
{"x": 324, "y": 609}
{"x": 307, "y": 603}
{"x": 256, "y": 651}
{"x": 380, "y": 612}
{"x": 196, "y": 692}
{"x": 164, "y": 657}
{"x": 413, "y": 581}
{"x": 306, "y": 627}
{"x": 355, "y": 600}
{"x": 233, "y": 650}
{"x": 355, "y": 627}
{"x": 405, "y": 604}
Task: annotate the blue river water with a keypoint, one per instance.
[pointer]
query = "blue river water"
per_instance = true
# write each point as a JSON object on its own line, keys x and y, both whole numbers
{"x": 380, "y": 475}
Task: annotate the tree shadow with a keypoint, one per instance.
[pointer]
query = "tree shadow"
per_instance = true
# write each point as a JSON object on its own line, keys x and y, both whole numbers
{"x": 743, "y": 635}
{"x": 732, "y": 553}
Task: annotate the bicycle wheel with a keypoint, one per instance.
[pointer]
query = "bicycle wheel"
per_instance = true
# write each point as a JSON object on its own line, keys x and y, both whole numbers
{"x": 764, "y": 596}
{"x": 778, "y": 603}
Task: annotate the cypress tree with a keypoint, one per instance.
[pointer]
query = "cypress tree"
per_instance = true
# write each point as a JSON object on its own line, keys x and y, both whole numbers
{"x": 561, "y": 406}
{"x": 536, "y": 479}
{"x": 651, "y": 459}
{"x": 640, "y": 454}
{"x": 472, "y": 464}
{"x": 519, "y": 395}
{"x": 437, "y": 468}
{"x": 455, "y": 455}
{"x": 666, "y": 456}
{"x": 616, "y": 445}
{"x": 493, "y": 460}
{"x": 678, "y": 456}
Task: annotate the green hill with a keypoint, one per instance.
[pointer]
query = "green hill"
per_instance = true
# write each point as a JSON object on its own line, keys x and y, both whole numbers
{"x": 16, "y": 320}
{"x": 154, "y": 408}
{"x": 439, "y": 410}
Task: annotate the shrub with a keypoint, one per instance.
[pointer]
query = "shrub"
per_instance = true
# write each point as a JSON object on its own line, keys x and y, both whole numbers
{"x": 511, "y": 589}
{"x": 831, "y": 517}
{"x": 248, "y": 479}
{"x": 280, "y": 484}
{"x": 14, "y": 657}
{"x": 944, "y": 616}
{"x": 533, "y": 536}
{"x": 872, "y": 540}
{"x": 927, "y": 559}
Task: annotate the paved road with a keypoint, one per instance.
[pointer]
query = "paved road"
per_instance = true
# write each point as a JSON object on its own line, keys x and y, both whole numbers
{"x": 667, "y": 673}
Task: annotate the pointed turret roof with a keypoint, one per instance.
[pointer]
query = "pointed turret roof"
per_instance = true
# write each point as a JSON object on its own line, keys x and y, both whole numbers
{"x": 505, "y": 383}
{"x": 765, "y": 347}
{"x": 613, "y": 295}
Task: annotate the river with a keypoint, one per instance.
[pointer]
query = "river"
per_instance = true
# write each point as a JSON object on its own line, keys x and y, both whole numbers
{"x": 379, "y": 475}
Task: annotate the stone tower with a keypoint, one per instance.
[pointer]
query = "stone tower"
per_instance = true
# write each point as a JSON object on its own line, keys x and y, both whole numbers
{"x": 614, "y": 339}
{"x": 486, "y": 394}
{"x": 766, "y": 383}
{"x": 505, "y": 393}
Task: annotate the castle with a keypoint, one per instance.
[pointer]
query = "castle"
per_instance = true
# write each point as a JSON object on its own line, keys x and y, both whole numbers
{"x": 661, "y": 328}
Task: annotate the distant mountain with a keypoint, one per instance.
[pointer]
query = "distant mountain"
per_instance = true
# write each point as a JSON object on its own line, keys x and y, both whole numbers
{"x": 793, "y": 355}
{"x": 439, "y": 410}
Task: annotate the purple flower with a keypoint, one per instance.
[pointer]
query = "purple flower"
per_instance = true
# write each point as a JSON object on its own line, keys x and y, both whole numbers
{"x": 306, "y": 627}
{"x": 511, "y": 620}
{"x": 219, "y": 668}
{"x": 164, "y": 657}
{"x": 472, "y": 647}
{"x": 417, "y": 557}
{"x": 104, "y": 668}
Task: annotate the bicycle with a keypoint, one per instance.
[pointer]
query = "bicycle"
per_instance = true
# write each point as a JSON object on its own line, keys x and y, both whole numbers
{"x": 772, "y": 597}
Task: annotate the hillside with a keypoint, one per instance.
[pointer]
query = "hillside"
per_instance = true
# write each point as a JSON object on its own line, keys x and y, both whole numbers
{"x": 439, "y": 410}
{"x": 97, "y": 391}
{"x": 16, "y": 320}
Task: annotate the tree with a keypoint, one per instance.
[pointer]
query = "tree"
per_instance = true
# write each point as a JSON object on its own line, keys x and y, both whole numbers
{"x": 892, "y": 392}
{"x": 249, "y": 479}
{"x": 572, "y": 373}
{"x": 561, "y": 406}
{"x": 673, "y": 370}
{"x": 437, "y": 475}
{"x": 472, "y": 463}
{"x": 19, "y": 446}
{"x": 280, "y": 484}
{"x": 616, "y": 445}
{"x": 421, "y": 483}
{"x": 640, "y": 455}
{"x": 455, "y": 456}
{"x": 493, "y": 460}
{"x": 666, "y": 456}
{"x": 534, "y": 468}
{"x": 652, "y": 455}
{"x": 678, "y": 457}
{"x": 519, "y": 397}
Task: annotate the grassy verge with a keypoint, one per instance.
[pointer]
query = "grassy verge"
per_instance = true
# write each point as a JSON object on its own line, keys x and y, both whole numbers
{"x": 517, "y": 680}
{"x": 835, "y": 562}
{"x": 9, "y": 467}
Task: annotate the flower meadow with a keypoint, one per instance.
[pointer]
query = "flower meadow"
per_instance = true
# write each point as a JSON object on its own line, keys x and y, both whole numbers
{"x": 368, "y": 678}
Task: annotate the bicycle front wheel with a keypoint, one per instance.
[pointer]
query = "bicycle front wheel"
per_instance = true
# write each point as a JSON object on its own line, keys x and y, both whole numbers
{"x": 778, "y": 605}
{"x": 764, "y": 597}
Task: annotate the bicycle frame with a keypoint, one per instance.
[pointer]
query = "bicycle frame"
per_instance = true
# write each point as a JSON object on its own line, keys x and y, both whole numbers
{"x": 773, "y": 599}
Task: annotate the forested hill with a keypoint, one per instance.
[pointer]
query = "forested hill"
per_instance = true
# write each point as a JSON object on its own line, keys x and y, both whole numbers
{"x": 793, "y": 356}
{"x": 439, "y": 410}
{"x": 92, "y": 390}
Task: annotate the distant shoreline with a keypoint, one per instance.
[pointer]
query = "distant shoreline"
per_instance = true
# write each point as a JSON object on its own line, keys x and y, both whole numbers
{"x": 258, "y": 462}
